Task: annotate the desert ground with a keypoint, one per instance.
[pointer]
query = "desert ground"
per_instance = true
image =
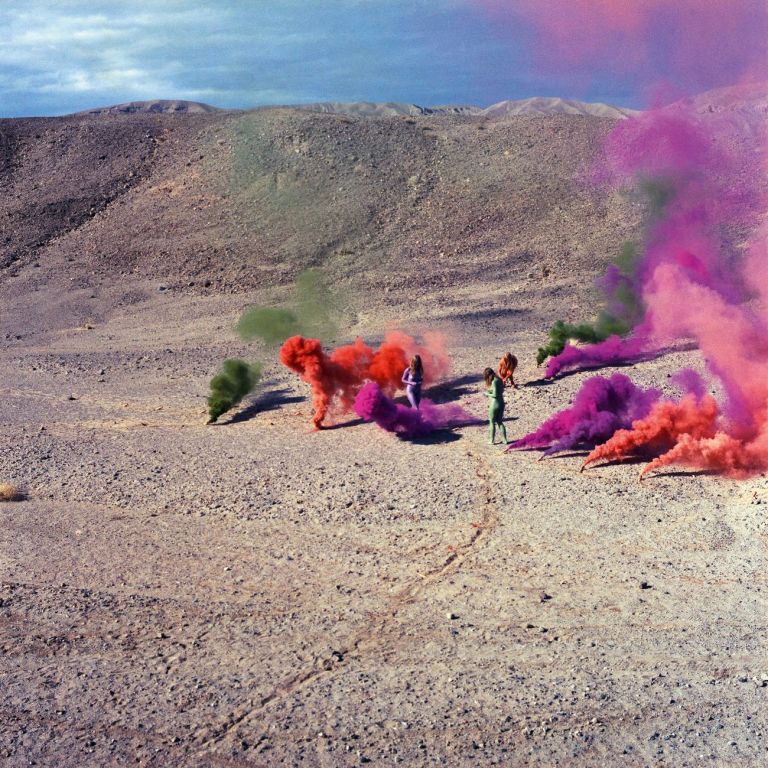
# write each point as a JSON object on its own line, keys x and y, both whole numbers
{"x": 253, "y": 593}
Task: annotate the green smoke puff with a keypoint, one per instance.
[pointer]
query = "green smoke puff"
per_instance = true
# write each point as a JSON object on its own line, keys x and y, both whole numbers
{"x": 658, "y": 193}
{"x": 228, "y": 387}
{"x": 271, "y": 324}
{"x": 623, "y": 299}
{"x": 310, "y": 314}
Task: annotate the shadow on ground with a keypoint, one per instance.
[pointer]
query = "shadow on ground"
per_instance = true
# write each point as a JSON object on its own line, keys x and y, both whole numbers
{"x": 454, "y": 388}
{"x": 267, "y": 401}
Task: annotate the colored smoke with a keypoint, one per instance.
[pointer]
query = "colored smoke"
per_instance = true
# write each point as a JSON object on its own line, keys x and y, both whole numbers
{"x": 310, "y": 312}
{"x": 372, "y": 404}
{"x": 561, "y": 333}
{"x": 234, "y": 381}
{"x": 696, "y": 173}
{"x": 336, "y": 378}
{"x": 691, "y": 44}
{"x": 700, "y": 165}
{"x": 600, "y": 407}
{"x": 613, "y": 350}
{"x": 661, "y": 429}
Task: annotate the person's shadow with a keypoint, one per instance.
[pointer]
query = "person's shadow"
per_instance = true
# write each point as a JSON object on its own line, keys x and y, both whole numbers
{"x": 453, "y": 388}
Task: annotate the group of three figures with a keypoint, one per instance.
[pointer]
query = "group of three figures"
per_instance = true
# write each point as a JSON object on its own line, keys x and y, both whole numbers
{"x": 413, "y": 376}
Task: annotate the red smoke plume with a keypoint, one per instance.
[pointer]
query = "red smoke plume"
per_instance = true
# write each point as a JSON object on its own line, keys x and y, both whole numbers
{"x": 336, "y": 378}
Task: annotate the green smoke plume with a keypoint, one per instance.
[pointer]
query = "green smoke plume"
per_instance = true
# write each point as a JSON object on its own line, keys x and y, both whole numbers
{"x": 310, "y": 312}
{"x": 228, "y": 387}
{"x": 271, "y": 324}
{"x": 561, "y": 333}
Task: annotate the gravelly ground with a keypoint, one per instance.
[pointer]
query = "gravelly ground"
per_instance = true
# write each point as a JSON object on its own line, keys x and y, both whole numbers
{"x": 253, "y": 593}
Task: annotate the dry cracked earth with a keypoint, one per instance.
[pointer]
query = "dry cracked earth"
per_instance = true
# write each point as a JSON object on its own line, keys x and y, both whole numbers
{"x": 253, "y": 593}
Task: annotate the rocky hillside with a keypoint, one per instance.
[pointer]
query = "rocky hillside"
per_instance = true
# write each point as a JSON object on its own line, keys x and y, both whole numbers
{"x": 240, "y": 200}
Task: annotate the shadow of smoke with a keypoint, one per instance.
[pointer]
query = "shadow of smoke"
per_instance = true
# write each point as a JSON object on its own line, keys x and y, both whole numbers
{"x": 267, "y": 401}
{"x": 629, "y": 460}
{"x": 539, "y": 382}
{"x": 344, "y": 424}
{"x": 435, "y": 438}
{"x": 684, "y": 473}
{"x": 496, "y": 313}
{"x": 564, "y": 455}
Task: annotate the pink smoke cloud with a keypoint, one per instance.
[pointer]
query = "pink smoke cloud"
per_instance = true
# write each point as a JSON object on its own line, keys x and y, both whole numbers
{"x": 693, "y": 44}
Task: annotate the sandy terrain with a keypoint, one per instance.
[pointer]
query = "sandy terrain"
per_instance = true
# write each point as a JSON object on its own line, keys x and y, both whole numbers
{"x": 256, "y": 594}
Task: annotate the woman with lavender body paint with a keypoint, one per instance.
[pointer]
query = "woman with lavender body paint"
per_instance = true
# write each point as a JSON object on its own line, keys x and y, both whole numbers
{"x": 496, "y": 407}
{"x": 413, "y": 375}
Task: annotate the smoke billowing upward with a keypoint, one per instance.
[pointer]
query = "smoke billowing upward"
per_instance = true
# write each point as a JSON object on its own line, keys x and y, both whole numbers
{"x": 693, "y": 45}
{"x": 234, "y": 381}
{"x": 310, "y": 312}
{"x": 372, "y": 404}
{"x": 696, "y": 174}
{"x": 336, "y": 378}
{"x": 599, "y": 408}
{"x": 700, "y": 273}
{"x": 661, "y": 429}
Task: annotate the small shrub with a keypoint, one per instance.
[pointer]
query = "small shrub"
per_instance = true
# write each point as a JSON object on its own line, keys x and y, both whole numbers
{"x": 11, "y": 492}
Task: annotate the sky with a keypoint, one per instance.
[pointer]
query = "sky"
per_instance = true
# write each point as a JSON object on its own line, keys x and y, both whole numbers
{"x": 61, "y": 56}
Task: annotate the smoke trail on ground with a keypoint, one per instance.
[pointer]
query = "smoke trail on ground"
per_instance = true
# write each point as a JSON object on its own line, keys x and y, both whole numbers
{"x": 234, "y": 381}
{"x": 600, "y": 407}
{"x": 336, "y": 378}
{"x": 372, "y": 404}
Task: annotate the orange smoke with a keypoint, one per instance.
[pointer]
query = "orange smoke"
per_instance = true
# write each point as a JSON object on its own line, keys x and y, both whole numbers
{"x": 336, "y": 378}
{"x": 661, "y": 429}
{"x": 327, "y": 378}
{"x": 722, "y": 453}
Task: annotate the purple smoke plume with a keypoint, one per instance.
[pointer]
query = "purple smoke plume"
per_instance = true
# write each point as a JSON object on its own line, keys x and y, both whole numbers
{"x": 372, "y": 404}
{"x": 702, "y": 166}
{"x": 600, "y": 407}
{"x": 613, "y": 350}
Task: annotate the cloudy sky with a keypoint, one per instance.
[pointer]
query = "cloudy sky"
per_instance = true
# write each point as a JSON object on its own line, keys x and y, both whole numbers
{"x": 61, "y": 56}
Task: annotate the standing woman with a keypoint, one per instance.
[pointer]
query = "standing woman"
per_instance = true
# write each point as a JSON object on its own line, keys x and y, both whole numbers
{"x": 413, "y": 375}
{"x": 496, "y": 406}
{"x": 507, "y": 367}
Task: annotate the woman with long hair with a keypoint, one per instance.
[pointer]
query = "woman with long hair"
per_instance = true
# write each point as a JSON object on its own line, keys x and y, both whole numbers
{"x": 507, "y": 368}
{"x": 495, "y": 391}
{"x": 413, "y": 375}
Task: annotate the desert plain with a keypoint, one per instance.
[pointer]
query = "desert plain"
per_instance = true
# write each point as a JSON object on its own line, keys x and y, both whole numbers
{"x": 255, "y": 593}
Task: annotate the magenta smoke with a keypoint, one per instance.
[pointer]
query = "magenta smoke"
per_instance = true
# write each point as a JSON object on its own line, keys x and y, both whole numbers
{"x": 706, "y": 171}
{"x": 599, "y": 408}
{"x": 372, "y": 404}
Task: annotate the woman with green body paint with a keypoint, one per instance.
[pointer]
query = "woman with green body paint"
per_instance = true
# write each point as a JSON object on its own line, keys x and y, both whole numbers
{"x": 496, "y": 406}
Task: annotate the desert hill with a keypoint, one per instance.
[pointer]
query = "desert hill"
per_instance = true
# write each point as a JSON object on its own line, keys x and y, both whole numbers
{"x": 538, "y": 105}
{"x": 154, "y": 107}
{"x": 225, "y": 201}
